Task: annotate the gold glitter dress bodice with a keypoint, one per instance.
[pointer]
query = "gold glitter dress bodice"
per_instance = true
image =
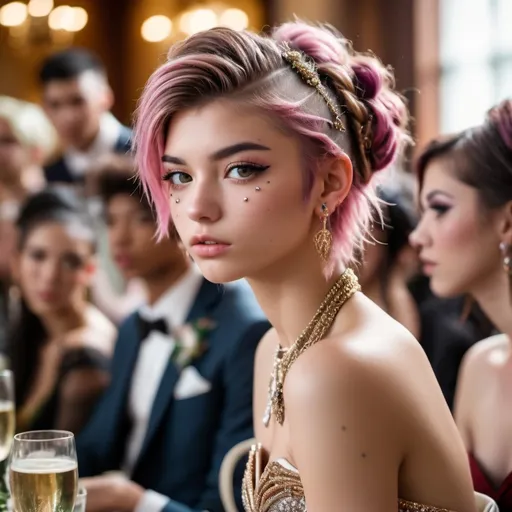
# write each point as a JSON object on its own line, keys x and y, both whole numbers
{"x": 277, "y": 488}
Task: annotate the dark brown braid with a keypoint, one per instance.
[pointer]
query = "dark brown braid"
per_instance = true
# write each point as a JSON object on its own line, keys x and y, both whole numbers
{"x": 359, "y": 118}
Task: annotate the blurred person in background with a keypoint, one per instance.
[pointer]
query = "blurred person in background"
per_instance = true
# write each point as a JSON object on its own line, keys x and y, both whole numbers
{"x": 27, "y": 140}
{"x": 465, "y": 243}
{"x": 389, "y": 262}
{"x": 77, "y": 98}
{"x": 130, "y": 292}
{"x": 59, "y": 345}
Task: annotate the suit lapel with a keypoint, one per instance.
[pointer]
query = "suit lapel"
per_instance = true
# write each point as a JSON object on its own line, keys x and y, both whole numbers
{"x": 209, "y": 294}
{"x": 128, "y": 357}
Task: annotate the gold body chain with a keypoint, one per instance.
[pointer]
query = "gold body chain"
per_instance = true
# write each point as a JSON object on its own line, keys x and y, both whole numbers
{"x": 346, "y": 285}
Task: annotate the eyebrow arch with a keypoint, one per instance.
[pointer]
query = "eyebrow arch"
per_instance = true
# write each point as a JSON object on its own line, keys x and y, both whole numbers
{"x": 221, "y": 153}
{"x": 435, "y": 193}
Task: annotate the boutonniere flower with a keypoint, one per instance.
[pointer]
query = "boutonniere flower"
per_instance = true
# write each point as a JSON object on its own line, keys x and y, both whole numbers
{"x": 191, "y": 341}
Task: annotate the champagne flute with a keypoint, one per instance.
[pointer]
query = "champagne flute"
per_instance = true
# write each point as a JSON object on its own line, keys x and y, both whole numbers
{"x": 6, "y": 412}
{"x": 43, "y": 471}
{"x": 81, "y": 500}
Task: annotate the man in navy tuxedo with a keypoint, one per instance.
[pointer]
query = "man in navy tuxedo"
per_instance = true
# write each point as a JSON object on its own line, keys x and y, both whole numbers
{"x": 182, "y": 374}
{"x": 77, "y": 98}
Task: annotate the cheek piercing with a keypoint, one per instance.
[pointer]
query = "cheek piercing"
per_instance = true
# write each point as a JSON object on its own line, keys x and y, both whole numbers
{"x": 246, "y": 199}
{"x": 258, "y": 189}
{"x": 176, "y": 200}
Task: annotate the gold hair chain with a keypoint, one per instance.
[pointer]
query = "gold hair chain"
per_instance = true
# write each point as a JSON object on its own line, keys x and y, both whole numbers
{"x": 306, "y": 69}
{"x": 346, "y": 285}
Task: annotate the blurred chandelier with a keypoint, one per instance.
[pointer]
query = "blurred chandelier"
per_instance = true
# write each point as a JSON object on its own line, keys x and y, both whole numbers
{"x": 39, "y": 20}
{"x": 201, "y": 17}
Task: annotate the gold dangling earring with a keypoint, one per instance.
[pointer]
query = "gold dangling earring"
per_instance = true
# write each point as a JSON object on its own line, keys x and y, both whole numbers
{"x": 323, "y": 239}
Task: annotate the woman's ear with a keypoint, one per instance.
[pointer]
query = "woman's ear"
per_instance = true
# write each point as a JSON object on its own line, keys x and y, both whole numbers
{"x": 336, "y": 176}
{"x": 506, "y": 224}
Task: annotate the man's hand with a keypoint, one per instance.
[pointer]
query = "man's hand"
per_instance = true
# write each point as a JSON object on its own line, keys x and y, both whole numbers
{"x": 109, "y": 493}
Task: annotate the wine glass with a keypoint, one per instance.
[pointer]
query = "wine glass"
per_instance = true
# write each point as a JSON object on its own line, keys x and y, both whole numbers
{"x": 6, "y": 412}
{"x": 43, "y": 471}
{"x": 81, "y": 500}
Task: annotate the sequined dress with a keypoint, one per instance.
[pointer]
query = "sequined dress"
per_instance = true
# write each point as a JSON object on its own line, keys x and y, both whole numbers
{"x": 278, "y": 488}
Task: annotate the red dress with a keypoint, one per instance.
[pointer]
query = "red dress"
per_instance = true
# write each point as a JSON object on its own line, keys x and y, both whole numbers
{"x": 502, "y": 495}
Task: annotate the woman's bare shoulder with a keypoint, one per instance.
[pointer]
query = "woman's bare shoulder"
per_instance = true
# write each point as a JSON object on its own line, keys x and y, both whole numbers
{"x": 368, "y": 339}
{"x": 488, "y": 350}
{"x": 375, "y": 360}
{"x": 484, "y": 356}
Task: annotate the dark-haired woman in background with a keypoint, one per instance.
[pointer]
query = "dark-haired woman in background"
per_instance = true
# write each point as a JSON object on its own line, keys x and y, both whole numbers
{"x": 465, "y": 239}
{"x": 59, "y": 346}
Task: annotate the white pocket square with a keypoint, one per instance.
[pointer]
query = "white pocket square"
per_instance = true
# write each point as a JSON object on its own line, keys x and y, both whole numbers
{"x": 191, "y": 383}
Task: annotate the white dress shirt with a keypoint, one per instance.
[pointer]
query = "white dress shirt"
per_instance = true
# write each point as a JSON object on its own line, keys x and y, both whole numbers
{"x": 79, "y": 162}
{"x": 152, "y": 361}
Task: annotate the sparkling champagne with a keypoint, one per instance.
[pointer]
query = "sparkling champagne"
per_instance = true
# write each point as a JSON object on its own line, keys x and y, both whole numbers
{"x": 6, "y": 427}
{"x": 44, "y": 485}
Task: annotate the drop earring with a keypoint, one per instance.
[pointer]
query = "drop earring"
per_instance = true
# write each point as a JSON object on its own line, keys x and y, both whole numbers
{"x": 507, "y": 258}
{"x": 323, "y": 239}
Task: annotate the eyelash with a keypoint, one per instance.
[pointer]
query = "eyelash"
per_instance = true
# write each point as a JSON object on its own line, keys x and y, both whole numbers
{"x": 251, "y": 166}
{"x": 440, "y": 209}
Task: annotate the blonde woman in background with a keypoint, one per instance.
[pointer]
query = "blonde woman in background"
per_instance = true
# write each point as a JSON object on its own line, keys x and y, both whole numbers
{"x": 27, "y": 140}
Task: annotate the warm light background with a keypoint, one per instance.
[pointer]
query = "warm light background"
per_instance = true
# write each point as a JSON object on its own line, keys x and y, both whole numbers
{"x": 452, "y": 58}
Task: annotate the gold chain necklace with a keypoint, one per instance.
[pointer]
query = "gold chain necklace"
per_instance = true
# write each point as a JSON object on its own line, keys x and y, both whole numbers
{"x": 346, "y": 285}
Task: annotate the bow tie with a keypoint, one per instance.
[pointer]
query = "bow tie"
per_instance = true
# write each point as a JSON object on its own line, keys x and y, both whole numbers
{"x": 148, "y": 326}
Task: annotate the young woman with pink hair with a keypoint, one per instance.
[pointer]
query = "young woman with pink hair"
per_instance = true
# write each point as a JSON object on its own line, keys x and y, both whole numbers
{"x": 263, "y": 152}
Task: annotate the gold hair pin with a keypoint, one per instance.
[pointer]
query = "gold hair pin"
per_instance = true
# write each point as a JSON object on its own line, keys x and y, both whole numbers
{"x": 306, "y": 69}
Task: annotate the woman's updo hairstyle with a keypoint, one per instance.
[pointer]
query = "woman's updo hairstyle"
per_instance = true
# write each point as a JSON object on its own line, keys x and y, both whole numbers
{"x": 480, "y": 157}
{"x": 246, "y": 67}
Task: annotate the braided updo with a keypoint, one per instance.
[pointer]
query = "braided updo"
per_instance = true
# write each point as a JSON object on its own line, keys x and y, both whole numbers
{"x": 249, "y": 67}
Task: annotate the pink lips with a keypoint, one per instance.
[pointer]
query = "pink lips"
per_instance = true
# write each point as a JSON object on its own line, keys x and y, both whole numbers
{"x": 205, "y": 246}
{"x": 428, "y": 267}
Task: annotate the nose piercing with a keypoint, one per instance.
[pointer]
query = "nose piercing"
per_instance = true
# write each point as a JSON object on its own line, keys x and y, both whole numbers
{"x": 177, "y": 201}
{"x": 258, "y": 189}
{"x": 246, "y": 199}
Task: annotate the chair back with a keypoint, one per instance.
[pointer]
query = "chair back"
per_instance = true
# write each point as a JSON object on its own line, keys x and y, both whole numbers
{"x": 227, "y": 470}
{"x": 485, "y": 504}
